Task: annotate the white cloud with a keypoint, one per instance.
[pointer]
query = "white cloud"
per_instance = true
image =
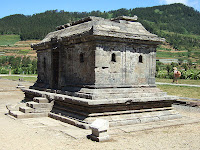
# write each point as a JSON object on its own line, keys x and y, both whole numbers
{"x": 174, "y": 1}
{"x": 192, "y": 3}
{"x": 177, "y": 1}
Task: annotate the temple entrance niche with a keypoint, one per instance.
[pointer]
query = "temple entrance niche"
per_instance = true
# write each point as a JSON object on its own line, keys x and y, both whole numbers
{"x": 55, "y": 63}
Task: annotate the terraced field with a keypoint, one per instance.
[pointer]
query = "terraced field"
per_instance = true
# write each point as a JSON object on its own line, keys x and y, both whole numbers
{"x": 10, "y": 45}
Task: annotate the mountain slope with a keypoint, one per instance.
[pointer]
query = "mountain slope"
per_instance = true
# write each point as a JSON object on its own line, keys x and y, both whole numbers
{"x": 176, "y": 22}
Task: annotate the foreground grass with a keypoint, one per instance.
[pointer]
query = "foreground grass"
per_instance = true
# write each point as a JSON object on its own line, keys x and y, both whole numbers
{"x": 181, "y": 81}
{"x": 191, "y": 92}
{"x": 16, "y": 78}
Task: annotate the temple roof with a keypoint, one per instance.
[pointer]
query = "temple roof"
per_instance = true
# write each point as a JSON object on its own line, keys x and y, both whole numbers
{"x": 120, "y": 27}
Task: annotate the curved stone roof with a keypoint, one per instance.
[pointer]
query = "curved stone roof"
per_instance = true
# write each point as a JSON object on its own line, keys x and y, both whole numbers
{"x": 121, "y": 27}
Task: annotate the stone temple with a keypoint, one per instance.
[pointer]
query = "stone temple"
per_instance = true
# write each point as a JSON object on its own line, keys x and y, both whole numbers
{"x": 98, "y": 68}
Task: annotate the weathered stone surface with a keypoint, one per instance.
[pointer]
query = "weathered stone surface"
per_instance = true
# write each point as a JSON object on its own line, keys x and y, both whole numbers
{"x": 102, "y": 27}
{"x": 15, "y": 107}
{"x": 40, "y": 100}
{"x": 100, "y": 130}
{"x": 71, "y": 55}
{"x": 187, "y": 108}
{"x": 21, "y": 115}
{"x": 32, "y": 109}
{"x": 26, "y": 109}
{"x": 100, "y": 125}
{"x": 39, "y": 105}
{"x": 98, "y": 68}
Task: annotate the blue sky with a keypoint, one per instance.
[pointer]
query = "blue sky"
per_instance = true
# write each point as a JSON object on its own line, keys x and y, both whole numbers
{"x": 29, "y": 7}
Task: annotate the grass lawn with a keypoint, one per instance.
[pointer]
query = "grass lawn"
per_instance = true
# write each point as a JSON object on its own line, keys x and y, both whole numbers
{"x": 191, "y": 92}
{"x": 181, "y": 81}
{"x": 29, "y": 78}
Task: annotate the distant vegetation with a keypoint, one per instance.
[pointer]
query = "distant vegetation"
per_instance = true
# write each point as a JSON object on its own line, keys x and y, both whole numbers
{"x": 188, "y": 70}
{"x": 8, "y": 40}
{"x": 17, "y": 65}
{"x": 178, "y": 23}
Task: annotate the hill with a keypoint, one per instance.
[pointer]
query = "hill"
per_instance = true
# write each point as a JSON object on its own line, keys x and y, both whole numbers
{"x": 10, "y": 45}
{"x": 178, "y": 23}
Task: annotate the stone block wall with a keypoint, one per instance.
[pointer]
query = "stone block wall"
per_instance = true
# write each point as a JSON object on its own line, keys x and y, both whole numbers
{"x": 77, "y": 64}
{"x": 44, "y": 66}
{"x": 99, "y": 63}
{"x": 121, "y": 64}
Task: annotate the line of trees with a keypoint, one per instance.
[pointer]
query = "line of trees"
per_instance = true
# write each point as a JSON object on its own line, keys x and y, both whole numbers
{"x": 188, "y": 71}
{"x": 174, "y": 18}
{"x": 18, "y": 65}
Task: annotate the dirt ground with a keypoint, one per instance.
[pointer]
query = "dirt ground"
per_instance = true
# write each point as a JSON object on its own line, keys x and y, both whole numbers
{"x": 19, "y": 135}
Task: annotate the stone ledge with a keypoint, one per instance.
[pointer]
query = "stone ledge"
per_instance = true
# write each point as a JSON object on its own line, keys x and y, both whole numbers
{"x": 83, "y": 101}
{"x": 21, "y": 115}
{"x": 26, "y": 109}
{"x": 117, "y": 120}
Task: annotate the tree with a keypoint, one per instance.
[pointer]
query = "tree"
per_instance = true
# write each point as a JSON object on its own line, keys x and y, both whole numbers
{"x": 168, "y": 68}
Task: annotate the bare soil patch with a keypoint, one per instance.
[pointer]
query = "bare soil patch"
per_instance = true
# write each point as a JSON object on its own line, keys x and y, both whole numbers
{"x": 17, "y": 135}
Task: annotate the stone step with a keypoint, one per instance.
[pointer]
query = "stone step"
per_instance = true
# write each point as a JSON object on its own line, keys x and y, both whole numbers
{"x": 116, "y": 90}
{"x": 159, "y": 124}
{"x": 186, "y": 107}
{"x": 42, "y": 110}
{"x": 119, "y": 95}
{"x": 39, "y": 105}
{"x": 78, "y": 100}
{"x": 32, "y": 110}
{"x": 130, "y": 100}
{"x": 40, "y": 100}
{"x": 112, "y": 91}
{"x": 21, "y": 115}
{"x": 83, "y": 101}
{"x": 17, "y": 114}
{"x": 119, "y": 120}
{"x": 26, "y": 109}
{"x": 122, "y": 92}
{"x": 28, "y": 104}
{"x": 69, "y": 120}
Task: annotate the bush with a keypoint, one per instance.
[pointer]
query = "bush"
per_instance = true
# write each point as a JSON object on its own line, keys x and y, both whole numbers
{"x": 164, "y": 74}
{"x": 3, "y": 70}
{"x": 18, "y": 65}
{"x": 189, "y": 74}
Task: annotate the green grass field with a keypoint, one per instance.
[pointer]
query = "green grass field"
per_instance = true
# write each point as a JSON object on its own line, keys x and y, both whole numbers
{"x": 171, "y": 55}
{"x": 9, "y": 40}
{"x": 24, "y": 51}
{"x": 28, "y": 78}
{"x": 181, "y": 81}
{"x": 181, "y": 91}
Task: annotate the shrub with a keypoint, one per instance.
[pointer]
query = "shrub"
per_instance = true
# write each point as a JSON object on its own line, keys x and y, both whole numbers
{"x": 3, "y": 70}
{"x": 189, "y": 74}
